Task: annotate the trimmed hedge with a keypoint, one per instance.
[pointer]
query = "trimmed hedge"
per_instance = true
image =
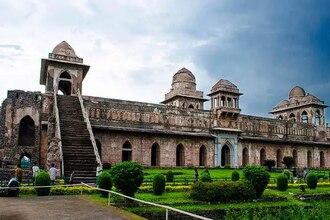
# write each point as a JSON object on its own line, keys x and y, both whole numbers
{"x": 42, "y": 179}
{"x": 205, "y": 177}
{"x": 105, "y": 182}
{"x": 287, "y": 173}
{"x": 282, "y": 182}
{"x": 61, "y": 190}
{"x": 235, "y": 176}
{"x": 312, "y": 181}
{"x": 258, "y": 177}
{"x": 179, "y": 188}
{"x": 223, "y": 191}
{"x": 158, "y": 184}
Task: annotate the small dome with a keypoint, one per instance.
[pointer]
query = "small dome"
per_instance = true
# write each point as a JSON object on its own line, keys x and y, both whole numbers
{"x": 282, "y": 103}
{"x": 184, "y": 75}
{"x": 64, "y": 49}
{"x": 224, "y": 85}
{"x": 297, "y": 92}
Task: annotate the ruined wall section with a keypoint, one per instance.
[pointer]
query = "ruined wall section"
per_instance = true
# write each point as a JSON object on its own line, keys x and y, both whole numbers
{"x": 16, "y": 106}
{"x": 138, "y": 115}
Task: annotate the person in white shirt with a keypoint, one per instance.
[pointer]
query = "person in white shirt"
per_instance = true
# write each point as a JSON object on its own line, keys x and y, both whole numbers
{"x": 35, "y": 171}
{"x": 52, "y": 172}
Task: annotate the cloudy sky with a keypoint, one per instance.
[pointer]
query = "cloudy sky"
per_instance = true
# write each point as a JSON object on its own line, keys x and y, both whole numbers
{"x": 135, "y": 46}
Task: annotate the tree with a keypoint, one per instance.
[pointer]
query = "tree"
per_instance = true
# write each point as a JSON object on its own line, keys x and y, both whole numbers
{"x": 288, "y": 161}
{"x": 258, "y": 177}
{"x": 127, "y": 177}
{"x": 269, "y": 164}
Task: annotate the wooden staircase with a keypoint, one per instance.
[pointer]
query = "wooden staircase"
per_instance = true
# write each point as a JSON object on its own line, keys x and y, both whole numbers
{"x": 78, "y": 151}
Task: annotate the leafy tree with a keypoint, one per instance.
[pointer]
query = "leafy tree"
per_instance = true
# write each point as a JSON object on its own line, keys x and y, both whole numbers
{"x": 258, "y": 177}
{"x": 127, "y": 177}
{"x": 235, "y": 176}
{"x": 269, "y": 164}
{"x": 288, "y": 161}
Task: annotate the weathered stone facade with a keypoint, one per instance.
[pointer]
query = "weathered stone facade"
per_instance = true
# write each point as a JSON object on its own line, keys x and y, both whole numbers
{"x": 178, "y": 132}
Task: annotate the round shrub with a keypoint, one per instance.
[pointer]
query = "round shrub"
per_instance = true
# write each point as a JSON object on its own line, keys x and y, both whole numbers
{"x": 258, "y": 177}
{"x": 282, "y": 182}
{"x": 105, "y": 182}
{"x": 42, "y": 179}
{"x": 127, "y": 177}
{"x": 311, "y": 181}
{"x": 235, "y": 176}
{"x": 205, "y": 177}
{"x": 169, "y": 176}
{"x": 287, "y": 173}
{"x": 158, "y": 184}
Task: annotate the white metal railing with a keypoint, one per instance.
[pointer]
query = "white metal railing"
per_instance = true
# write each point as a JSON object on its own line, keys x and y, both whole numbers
{"x": 149, "y": 203}
{"x": 58, "y": 132}
{"x": 89, "y": 127}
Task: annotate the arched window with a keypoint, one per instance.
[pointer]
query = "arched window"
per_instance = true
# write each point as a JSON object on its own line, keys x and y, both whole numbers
{"x": 99, "y": 147}
{"x": 262, "y": 156}
{"x": 245, "y": 156}
{"x": 295, "y": 157}
{"x": 292, "y": 117}
{"x": 180, "y": 155}
{"x": 155, "y": 155}
{"x": 25, "y": 161}
{"x": 202, "y": 156}
{"x": 225, "y": 156}
{"x": 64, "y": 85}
{"x": 280, "y": 117}
{"x": 304, "y": 117}
{"x": 191, "y": 106}
{"x": 65, "y": 75}
{"x": 26, "y": 136}
{"x": 279, "y": 158}
{"x": 309, "y": 159}
{"x": 317, "y": 118}
{"x": 322, "y": 162}
{"x": 127, "y": 151}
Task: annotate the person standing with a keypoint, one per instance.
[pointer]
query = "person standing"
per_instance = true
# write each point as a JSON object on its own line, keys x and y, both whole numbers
{"x": 35, "y": 171}
{"x": 18, "y": 173}
{"x": 305, "y": 173}
{"x": 196, "y": 176}
{"x": 52, "y": 172}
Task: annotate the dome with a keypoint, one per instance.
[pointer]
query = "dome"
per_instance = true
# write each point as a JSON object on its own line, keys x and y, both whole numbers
{"x": 64, "y": 49}
{"x": 297, "y": 92}
{"x": 184, "y": 75}
{"x": 224, "y": 85}
{"x": 282, "y": 103}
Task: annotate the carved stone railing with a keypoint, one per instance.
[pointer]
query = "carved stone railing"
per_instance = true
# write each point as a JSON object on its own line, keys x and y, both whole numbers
{"x": 58, "y": 132}
{"x": 89, "y": 128}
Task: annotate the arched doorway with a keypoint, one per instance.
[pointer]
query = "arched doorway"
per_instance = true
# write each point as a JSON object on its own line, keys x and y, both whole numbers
{"x": 202, "y": 156}
{"x": 155, "y": 155}
{"x": 245, "y": 156}
{"x": 180, "y": 155}
{"x": 279, "y": 158}
{"x": 295, "y": 157}
{"x": 26, "y": 136}
{"x": 65, "y": 83}
{"x": 322, "y": 162}
{"x": 225, "y": 156}
{"x": 262, "y": 156}
{"x": 309, "y": 159}
{"x": 25, "y": 161}
{"x": 127, "y": 151}
{"x": 99, "y": 147}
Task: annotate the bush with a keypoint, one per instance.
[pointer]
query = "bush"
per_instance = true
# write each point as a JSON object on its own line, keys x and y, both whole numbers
{"x": 169, "y": 176}
{"x": 127, "y": 177}
{"x": 258, "y": 177}
{"x": 205, "y": 177}
{"x": 287, "y": 173}
{"x": 269, "y": 164}
{"x": 312, "y": 181}
{"x": 42, "y": 179}
{"x": 105, "y": 182}
{"x": 158, "y": 184}
{"x": 282, "y": 182}
{"x": 222, "y": 191}
{"x": 288, "y": 161}
{"x": 235, "y": 176}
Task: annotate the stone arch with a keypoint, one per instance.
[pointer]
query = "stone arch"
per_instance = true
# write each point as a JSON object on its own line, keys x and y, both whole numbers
{"x": 180, "y": 155}
{"x": 99, "y": 147}
{"x": 317, "y": 117}
{"x": 127, "y": 151}
{"x": 322, "y": 162}
{"x": 262, "y": 156}
{"x": 309, "y": 159}
{"x": 155, "y": 154}
{"x": 202, "y": 156}
{"x": 292, "y": 117}
{"x": 65, "y": 83}
{"x": 295, "y": 157}
{"x": 26, "y": 135}
{"x": 280, "y": 117}
{"x": 245, "y": 156}
{"x": 25, "y": 161}
{"x": 225, "y": 155}
{"x": 191, "y": 106}
{"x": 304, "y": 117}
{"x": 279, "y": 158}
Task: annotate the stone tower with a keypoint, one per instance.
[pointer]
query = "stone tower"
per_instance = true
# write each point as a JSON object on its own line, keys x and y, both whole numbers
{"x": 63, "y": 71}
{"x": 183, "y": 92}
{"x": 300, "y": 107}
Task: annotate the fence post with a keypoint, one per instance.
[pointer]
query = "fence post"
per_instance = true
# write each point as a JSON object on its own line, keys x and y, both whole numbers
{"x": 166, "y": 217}
{"x": 108, "y": 198}
{"x": 81, "y": 191}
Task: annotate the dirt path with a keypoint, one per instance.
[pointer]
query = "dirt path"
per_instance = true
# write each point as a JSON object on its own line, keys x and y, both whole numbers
{"x": 58, "y": 207}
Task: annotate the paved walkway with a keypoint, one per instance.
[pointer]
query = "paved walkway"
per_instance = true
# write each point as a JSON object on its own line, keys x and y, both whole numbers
{"x": 58, "y": 207}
